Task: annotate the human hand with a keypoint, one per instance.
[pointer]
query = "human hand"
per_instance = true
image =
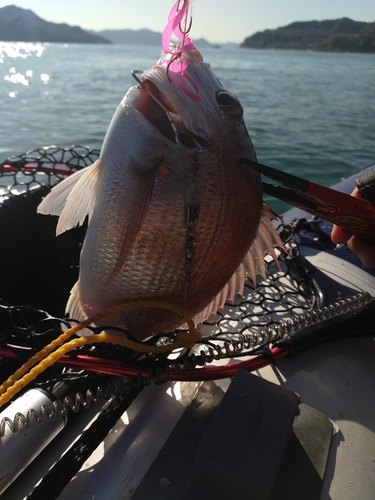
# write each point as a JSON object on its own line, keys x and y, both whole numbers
{"x": 363, "y": 249}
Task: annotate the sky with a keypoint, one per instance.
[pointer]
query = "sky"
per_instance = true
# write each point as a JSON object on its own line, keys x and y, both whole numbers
{"x": 217, "y": 21}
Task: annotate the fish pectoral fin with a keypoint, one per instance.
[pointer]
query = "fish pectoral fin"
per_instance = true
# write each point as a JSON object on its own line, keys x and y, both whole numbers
{"x": 131, "y": 217}
{"x": 73, "y": 198}
{"x": 253, "y": 264}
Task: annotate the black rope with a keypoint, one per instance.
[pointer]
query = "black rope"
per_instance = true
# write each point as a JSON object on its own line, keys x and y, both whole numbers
{"x": 71, "y": 462}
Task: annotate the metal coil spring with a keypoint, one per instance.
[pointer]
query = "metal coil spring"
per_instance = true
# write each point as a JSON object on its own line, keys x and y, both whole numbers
{"x": 160, "y": 374}
{"x": 61, "y": 408}
{"x": 268, "y": 334}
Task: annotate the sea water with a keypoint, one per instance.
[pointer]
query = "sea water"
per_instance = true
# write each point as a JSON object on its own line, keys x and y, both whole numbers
{"x": 308, "y": 113}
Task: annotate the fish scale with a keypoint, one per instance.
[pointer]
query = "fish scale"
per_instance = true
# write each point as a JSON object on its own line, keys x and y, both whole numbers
{"x": 161, "y": 267}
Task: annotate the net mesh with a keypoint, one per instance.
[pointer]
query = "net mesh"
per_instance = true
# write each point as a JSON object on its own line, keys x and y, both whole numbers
{"x": 42, "y": 167}
{"x": 282, "y": 303}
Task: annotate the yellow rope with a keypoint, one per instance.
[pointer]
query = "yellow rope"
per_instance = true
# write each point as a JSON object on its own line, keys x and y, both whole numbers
{"x": 44, "y": 358}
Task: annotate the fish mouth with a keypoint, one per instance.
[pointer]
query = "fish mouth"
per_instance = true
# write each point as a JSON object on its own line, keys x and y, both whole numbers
{"x": 158, "y": 109}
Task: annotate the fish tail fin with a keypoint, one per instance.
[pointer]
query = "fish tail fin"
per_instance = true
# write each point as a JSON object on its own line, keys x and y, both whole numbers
{"x": 73, "y": 198}
{"x": 264, "y": 243}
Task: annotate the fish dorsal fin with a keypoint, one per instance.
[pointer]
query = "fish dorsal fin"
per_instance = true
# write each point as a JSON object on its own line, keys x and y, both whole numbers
{"x": 253, "y": 264}
{"x": 73, "y": 198}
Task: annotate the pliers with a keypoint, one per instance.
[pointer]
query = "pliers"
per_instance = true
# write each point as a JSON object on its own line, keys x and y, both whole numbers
{"x": 353, "y": 214}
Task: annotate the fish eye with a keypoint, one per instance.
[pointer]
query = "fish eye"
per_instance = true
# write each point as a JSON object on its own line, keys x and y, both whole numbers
{"x": 229, "y": 104}
{"x": 224, "y": 98}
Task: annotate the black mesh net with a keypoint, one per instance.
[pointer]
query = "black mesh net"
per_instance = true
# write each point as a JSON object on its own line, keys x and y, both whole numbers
{"x": 40, "y": 271}
{"x": 42, "y": 167}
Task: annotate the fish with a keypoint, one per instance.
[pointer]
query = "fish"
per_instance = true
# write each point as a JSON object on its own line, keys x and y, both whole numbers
{"x": 173, "y": 214}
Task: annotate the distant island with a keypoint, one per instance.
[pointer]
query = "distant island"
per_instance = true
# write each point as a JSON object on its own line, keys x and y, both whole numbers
{"x": 340, "y": 35}
{"x": 147, "y": 37}
{"x": 22, "y": 25}
{"x": 130, "y": 37}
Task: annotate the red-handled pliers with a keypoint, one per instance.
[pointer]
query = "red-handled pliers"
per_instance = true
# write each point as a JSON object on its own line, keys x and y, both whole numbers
{"x": 355, "y": 215}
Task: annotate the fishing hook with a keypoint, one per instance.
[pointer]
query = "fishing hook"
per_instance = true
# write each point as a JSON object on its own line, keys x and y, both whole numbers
{"x": 188, "y": 29}
{"x": 178, "y": 10}
{"x": 199, "y": 148}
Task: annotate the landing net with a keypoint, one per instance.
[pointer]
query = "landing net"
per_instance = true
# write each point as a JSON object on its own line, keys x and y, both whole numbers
{"x": 294, "y": 308}
{"x": 287, "y": 301}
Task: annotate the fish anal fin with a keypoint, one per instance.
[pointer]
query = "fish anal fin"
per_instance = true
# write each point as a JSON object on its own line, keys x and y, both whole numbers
{"x": 266, "y": 240}
{"x": 75, "y": 310}
{"x": 72, "y": 199}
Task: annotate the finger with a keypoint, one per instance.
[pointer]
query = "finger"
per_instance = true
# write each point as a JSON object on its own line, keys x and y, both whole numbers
{"x": 339, "y": 235}
{"x": 364, "y": 250}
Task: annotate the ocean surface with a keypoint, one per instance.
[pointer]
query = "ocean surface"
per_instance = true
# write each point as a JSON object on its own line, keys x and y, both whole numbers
{"x": 308, "y": 113}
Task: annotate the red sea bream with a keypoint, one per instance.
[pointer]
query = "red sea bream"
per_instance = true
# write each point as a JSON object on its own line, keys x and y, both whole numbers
{"x": 173, "y": 146}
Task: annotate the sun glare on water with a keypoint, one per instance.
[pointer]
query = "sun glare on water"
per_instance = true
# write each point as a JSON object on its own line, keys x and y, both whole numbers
{"x": 18, "y": 51}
